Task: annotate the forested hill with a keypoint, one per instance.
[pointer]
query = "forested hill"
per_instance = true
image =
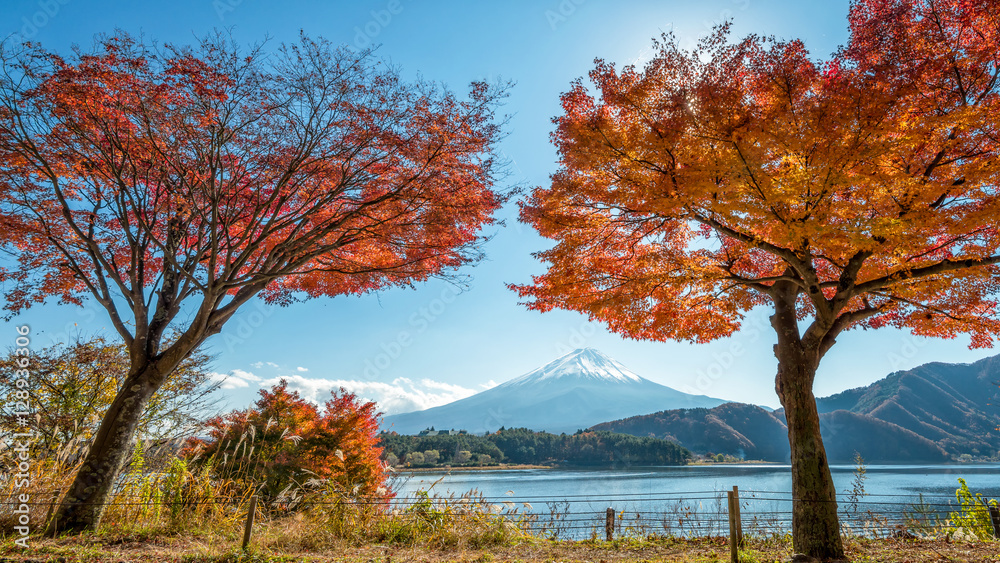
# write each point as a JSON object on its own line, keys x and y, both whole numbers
{"x": 523, "y": 446}
{"x": 749, "y": 432}
{"x": 956, "y": 406}
{"x": 932, "y": 413}
{"x": 744, "y": 431}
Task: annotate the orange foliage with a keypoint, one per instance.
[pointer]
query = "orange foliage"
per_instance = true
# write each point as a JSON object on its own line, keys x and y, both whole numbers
{"x": 690, "y": 191}
{"x": 285, "y": 441}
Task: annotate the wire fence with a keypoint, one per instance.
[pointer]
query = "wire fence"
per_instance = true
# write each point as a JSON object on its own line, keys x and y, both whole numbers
{"x": 688, "y": 514}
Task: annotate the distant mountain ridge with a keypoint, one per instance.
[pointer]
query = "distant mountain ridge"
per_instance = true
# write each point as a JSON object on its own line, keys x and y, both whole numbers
{"x": 746, "y": 431}
{"x": 954, "y": 405}
{"x": 576, "y": 391}
{"x": 932, "y": 413}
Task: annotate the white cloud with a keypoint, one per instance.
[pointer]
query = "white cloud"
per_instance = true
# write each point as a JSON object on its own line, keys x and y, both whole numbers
{"x": 259, "y": 365}
{"x": 402, "y": 395}
{"x": 302, "y": 369}
{"x": 235, "y": 379}
{"x": 488, "y": 385}
{"x": 439, "y": 386}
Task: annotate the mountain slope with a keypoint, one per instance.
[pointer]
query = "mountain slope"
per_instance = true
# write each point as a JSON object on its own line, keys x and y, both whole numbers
{"x": 955, "y": 405}
{"x": 575, "y": 391}
{"x": 878, "y": 441}
{"x": 931, "y": 413}
{"x": 746, "y": 431}
{"x": 750, "y": 432}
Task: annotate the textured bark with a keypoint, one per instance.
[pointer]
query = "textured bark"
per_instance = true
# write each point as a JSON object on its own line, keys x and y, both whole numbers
{"x": 82, "y": 507}
{"x": 815, "y": 525}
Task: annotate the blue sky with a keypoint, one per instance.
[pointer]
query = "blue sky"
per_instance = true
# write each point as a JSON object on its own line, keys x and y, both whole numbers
{"x": 423, "y": 347}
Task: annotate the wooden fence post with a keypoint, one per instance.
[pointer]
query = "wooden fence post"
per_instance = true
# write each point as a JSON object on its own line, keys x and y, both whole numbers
{"x": 249, "y": 526}
{"x": 609, "y": 523}
{"x": 734, "y": 551}
{"x": 739, "y": 518}
{"x": 52, "y": 508}
{"x": 995, "y": 519}
{"x": 51, "y": 511}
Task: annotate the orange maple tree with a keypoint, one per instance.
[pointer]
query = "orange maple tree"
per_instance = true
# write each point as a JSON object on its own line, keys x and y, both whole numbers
{"x": 172, "y": 185}
{"x": 856, "y": 192}
{"x": 284, "y": 442}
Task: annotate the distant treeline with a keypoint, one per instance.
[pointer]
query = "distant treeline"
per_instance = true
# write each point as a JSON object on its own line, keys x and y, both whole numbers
{"x": 523, "y": 446}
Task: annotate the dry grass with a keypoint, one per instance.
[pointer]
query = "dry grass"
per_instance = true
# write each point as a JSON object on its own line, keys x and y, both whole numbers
{"x": 431, "y": 529}
{"x": 172, "y": 514}
{"x": 143, "y": 503}
{"x": 108, "y": 548}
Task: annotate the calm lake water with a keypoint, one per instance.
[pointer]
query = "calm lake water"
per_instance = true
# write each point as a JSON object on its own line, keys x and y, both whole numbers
{"x": 700, "y": 489}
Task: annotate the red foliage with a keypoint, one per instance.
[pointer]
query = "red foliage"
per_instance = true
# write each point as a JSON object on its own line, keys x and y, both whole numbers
{"x": 320, "y": 173}
{"x": 158, "y": 179}
{"x": 284, "y": 440}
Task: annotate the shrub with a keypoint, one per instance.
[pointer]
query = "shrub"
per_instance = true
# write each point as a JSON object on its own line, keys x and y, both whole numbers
{"x": 973, "y": 516}
{"x": 284, "y": 443}
{"x": 71, "y": 386}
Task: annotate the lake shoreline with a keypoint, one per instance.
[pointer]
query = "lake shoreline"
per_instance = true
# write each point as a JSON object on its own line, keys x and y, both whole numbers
{"x": 523, "y": 466}
{"x": 739, "y": 462}
{"x": 502, "y": 467}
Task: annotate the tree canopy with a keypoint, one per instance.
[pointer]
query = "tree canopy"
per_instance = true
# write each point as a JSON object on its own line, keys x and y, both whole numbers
{"x": 853, "y": 192}
{"x": 173, "y": 184}
{"x": 688, "y": 190}
{"x": 142, "y": 176}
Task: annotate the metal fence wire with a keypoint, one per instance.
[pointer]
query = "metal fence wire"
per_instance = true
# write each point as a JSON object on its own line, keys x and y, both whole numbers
{"x": 688, "y": 514}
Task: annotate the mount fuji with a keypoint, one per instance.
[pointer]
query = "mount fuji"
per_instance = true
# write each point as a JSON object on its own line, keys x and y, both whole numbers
{"x": 578, "y": 390}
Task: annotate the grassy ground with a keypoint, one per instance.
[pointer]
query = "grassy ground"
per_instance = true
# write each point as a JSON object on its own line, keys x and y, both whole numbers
{"x": 179, "y": 518}
{"x": 109, "y": 548}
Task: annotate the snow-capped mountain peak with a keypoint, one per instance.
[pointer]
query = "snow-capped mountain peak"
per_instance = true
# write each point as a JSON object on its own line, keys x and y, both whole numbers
{"x": 585, "y": 364}
{"x": 576, "y": 391}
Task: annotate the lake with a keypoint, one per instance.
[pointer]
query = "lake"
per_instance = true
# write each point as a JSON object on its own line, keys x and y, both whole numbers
{"x": 666, "y": 494}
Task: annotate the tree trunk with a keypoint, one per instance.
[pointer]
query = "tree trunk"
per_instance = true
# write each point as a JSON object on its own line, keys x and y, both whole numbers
{"x": 815, "y": 526}
{"x": 82, "y": 507}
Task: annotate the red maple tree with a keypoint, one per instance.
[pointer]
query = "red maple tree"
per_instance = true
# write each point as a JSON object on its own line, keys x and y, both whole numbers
{"x": 283, "y": 442}
{"x": 857, "y": 192}
{"x": 172, "y": 185}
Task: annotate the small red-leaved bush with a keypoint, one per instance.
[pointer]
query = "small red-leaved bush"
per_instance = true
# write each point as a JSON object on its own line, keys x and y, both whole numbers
{"x": 285, "y": 443}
